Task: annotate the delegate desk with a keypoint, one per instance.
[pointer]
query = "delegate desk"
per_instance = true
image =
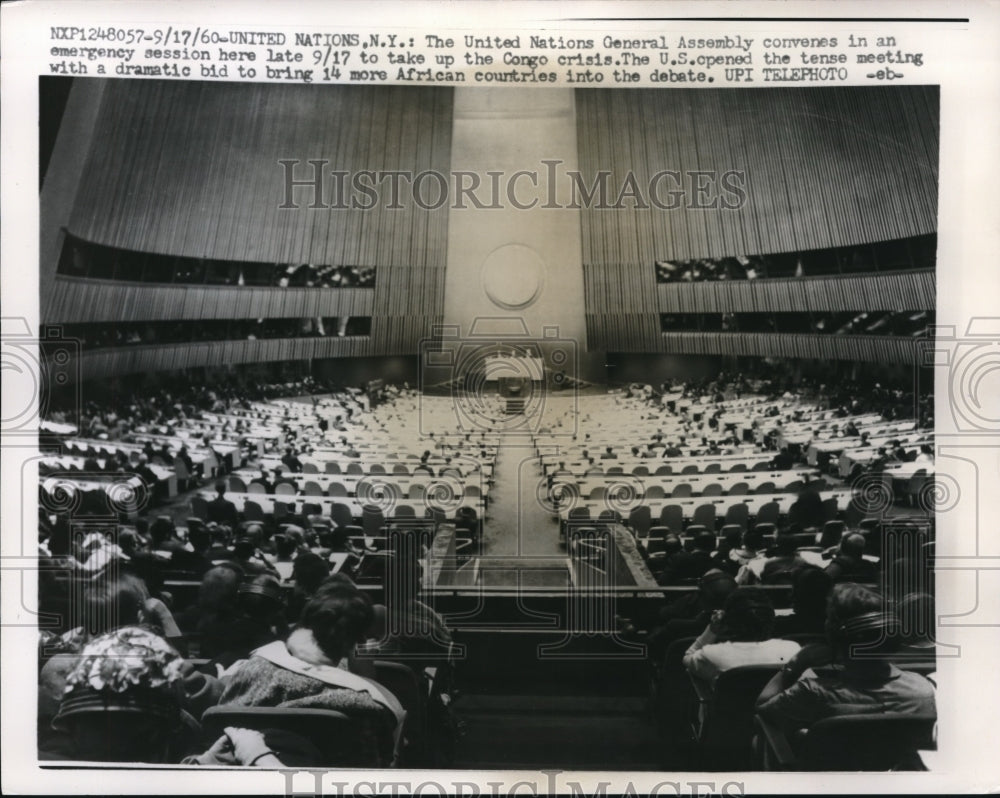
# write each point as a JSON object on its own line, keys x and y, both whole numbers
{"x": 71, "y": 464}
{"x": 551, "y": 462}
{"x": 838, "y": 446}
{"x": 120, "y": 494}
{"x": 853, "y": 457}
{"x": 464, "y": 464}
{"x": 698, "y": 482}
{"x": 351, "y": 482}
{"x": 266, "y": 502}
{"x": 721, "y": 503}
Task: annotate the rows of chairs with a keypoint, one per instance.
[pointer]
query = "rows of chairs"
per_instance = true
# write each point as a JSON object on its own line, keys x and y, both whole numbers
{"x": 334, "y": 489}
{"x": 684, "y": 490}
{"x": 669, "y": 470}
{"x": 374, "y": 522}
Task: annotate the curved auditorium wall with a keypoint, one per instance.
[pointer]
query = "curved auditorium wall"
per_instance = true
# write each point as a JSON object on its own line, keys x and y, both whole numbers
{"x": 819, "y": 169}
{"x": 193, "y": 170}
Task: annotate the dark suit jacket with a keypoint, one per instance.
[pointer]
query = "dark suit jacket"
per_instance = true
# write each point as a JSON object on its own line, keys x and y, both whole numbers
{"x": 222, "y": 511}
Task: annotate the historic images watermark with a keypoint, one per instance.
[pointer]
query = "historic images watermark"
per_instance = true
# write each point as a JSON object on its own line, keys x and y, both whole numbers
{"x": 311, "y": 184}
{"x": 318, "y": 783}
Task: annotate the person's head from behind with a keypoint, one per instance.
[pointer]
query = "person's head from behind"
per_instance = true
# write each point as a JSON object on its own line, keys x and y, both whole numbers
{"x": 672, "y": 545}
{"x": 748, "y": 615}
{"x": 123, "y": 699}
{"x": 309, "y": 570}
{"x": 244, "y": 549}
{"x": 853, "y": 546}
{"x": 753, "y": 539}
{"x": 261, "y": 596}
{"x": 199, "y": 538}
{"x": 220, "y": 488}
{"x": 128, "y": 542}
{"x": 219, "y": 589}
{"x": 731, "y": 539}
{"x": 254, "y": 533}
{"x": 284, "y": 546}
{"x": 861, "y": 626}
{"x": 810, "y": 591}
{"x": 161, "y": 530}
{"x": 113, "y": 600}
{"x": 219, "y": 534}
{"x": 339, "y": 615}
{"x": 705, "y": 541}
{"x": 714, "y": 588}
{"x": 785, "y": 545}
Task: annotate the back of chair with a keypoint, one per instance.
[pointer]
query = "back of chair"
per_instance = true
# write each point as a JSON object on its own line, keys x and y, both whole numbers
{"x": 372, "y": 520}
{"x": 335, "y": 734}
{"x": 310, "y": 468}
{"x": 252, "y": 511}
{"x": 672, "y": 516}
{"x": 737, "y": 514}
{"x": 332, "y": 467}
{"x": 402, "y": 682}
{"x": 312, "y": 508}
{"x": 312, "y": 489}
{"x": 833, "y": 531}
{"x": 729, "y": 718}
{"x": 199, "y": 508}
{"x": 640, "y": 520}
{"x": 715, "y": 489}
{"x": 704, "y": 514}
{"x": 886, "y": 741}
{"x": 769, "y": 513}
{"x": 341, "y": 514}
{"x": 765, "y": 487}
{"x": 739, "y": 489}
{"x": 237, "y": 485}
{"x": 664, "y": 470}
{"x": 682, "y": 490}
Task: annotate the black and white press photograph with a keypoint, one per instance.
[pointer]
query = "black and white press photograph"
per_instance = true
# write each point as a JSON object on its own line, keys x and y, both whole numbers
{"x": 492, "y": 427}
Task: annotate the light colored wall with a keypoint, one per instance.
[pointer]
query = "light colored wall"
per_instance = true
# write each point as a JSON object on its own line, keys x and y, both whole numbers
{"x": 509, "y": 130}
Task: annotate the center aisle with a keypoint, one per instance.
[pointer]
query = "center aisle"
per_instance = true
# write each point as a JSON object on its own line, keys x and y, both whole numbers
{"x": 517, "y": 524}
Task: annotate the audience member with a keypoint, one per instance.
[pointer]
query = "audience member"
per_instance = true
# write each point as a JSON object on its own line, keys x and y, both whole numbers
{"x": 849, "y": 565}
{"x": 851, "y": 672}
{"x": 220, "y": 509}
{"x": 309, "y": 670}
{"x": 738, "y": 634}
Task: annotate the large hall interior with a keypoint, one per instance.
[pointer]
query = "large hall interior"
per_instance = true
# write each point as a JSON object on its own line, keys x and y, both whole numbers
{"x": 606, "y": 445}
